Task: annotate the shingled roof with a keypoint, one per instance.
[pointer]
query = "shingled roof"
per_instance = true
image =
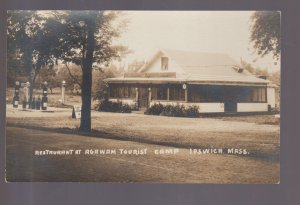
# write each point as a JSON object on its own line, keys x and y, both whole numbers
{"x": 200, "y": 68}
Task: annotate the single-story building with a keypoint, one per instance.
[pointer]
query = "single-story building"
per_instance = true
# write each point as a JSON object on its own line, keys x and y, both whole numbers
{"x": 212, "y": 81}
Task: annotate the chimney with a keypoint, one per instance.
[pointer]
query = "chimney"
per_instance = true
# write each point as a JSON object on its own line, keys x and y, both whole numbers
{"x": 263, "y": 77}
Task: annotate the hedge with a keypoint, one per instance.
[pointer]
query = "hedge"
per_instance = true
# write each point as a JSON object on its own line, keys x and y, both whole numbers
{"x": 108, "y": 106}
{"x": 173, "y": 110}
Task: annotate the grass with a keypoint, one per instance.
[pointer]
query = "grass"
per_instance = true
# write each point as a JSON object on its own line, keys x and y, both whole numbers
{"x": 257, "y": 133}
{"x": 261, "y": 140}
{"x": 72, "y": 99}
{"x": 260, "y": 119}
{"x": 54, "y": 98}
{"x": 148, "y": 168}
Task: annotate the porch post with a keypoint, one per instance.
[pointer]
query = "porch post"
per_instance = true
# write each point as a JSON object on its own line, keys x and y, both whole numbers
{"x": 185, "y": 93}
{"x": 168, "y": 94}
{"x": 149, "y": 101}
{"x": 136, "y": 94}
{"x": 108, "y": 91}
{"x": 266, "y": 94}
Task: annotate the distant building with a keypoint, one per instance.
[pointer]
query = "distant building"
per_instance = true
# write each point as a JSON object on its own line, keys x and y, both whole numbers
{"x": 214, "y": 82}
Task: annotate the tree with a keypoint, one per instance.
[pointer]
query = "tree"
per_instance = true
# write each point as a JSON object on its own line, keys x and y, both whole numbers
{"x": 30, "y": 44}
{"x": 19, "y": 47}
{"x": 135, "y": 65}
{"x": 72, "y": 74}
{"x": 99, "y": 86}
{"x": 86, "y": 40}
{"x": 275, "y": 77}
{"x": 254, "y": 70}
{"x": 48, "y": 74}
{"x": 265, "y": 32}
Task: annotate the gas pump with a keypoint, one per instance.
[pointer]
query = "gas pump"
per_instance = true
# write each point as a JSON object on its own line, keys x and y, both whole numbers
{"x": 63, "y": 89}
{"x": 32, "y": 106}
{"x": 38, "y": 103}
{"x": 45, "y": 96}
{"x": 16, "y": 95}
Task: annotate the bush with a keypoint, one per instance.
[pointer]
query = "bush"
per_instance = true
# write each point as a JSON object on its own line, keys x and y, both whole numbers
{"x": 155, "y": 109}
{"x": 192, "y": 111}
{"x": 173, "y": 110}
{"x": 166, "y": 110}
{"x": 108, "y": 106}
{"x": 125, "y": 108}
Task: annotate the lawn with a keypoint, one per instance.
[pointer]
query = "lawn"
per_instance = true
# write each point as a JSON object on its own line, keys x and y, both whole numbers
{"x": 259, "y": 134}
{"x": 261, "y": 140}
{"x": 260, "y": 119}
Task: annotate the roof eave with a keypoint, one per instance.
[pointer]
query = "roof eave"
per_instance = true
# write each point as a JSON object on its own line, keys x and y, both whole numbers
{"x": 172, "y": 80}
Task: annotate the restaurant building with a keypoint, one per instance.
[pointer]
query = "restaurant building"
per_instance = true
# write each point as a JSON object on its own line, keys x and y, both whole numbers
{"x": 212, "y": 81}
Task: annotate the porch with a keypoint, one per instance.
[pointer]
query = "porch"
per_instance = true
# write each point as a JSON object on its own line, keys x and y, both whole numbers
{"x": 209, "y": 98}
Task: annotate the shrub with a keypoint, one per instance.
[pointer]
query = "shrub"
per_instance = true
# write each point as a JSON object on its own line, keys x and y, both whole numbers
{"x": 155, "y": 109}
{"x": 173, "y": 110}
{"x": 192, "y": 111}
{"x": 125, "y": 108}
{"x": 108, "y": 106}
{"x": 179, "y": 111}
{"x": 166, "y": 110}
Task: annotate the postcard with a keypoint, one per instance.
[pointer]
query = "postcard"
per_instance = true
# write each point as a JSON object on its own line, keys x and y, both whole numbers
{"x": 143, "y": 96}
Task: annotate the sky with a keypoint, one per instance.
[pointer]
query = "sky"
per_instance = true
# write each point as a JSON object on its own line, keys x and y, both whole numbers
{"x": 203, "y": 31}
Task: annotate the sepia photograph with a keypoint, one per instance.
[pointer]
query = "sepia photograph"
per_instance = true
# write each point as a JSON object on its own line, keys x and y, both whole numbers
{"x": 143, "y": 96}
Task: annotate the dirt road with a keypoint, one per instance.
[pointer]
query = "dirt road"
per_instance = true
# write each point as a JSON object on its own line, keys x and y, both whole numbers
{"x": 27, "y": 159}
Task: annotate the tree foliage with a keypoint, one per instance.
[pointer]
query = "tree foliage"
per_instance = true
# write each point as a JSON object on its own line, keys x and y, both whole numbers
{"x": 274, "y": 77}
{"x": 85, "y": 39}
{"x": 72, "y": 74}
{"x": 100, "y": 89}
{"x": 48, "y": 74}
{"x": 72, "y": 31}
{"x": 265, "y": 33}
{"x": 31, "y": 45}
{"x": 39, "y": 40}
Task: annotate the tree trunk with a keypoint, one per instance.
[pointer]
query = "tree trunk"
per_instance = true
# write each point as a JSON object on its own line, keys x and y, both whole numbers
{"x": 86, "y": 90}
{"x": 85, "y": 123}
{"x": 32, "y": 85}
{"x": 29, "y": 67}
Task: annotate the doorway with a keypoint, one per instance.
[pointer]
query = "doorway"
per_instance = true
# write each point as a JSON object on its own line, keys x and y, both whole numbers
{"x": 230, "y": 99}
{"x": 143, "y": 98}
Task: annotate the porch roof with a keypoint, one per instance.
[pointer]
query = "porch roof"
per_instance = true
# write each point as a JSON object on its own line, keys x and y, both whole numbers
{"x": 194, "y": 79}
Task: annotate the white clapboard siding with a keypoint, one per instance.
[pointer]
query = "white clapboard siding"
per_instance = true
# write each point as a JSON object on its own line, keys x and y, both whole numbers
{"x": 252, "y": 107}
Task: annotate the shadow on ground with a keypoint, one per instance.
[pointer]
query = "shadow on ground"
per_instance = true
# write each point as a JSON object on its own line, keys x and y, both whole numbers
{"x": 257, "y": 154}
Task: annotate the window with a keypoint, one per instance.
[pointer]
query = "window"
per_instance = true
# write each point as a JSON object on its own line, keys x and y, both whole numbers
{"x": 258, "y": 95}
{"x": 113, "y": 92}
{"x": 194, "y": 95}
{"x": 120, "y": 92}
{"x": 154, "y": 93}
{"x": 164, "y": 63}
{"x": 177, "y": 94}
{"x": 162, "y": 93}
{"x": 125, "y": 91}
{"x": 206, "y": 93}
{"x": 132, "y": 92}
